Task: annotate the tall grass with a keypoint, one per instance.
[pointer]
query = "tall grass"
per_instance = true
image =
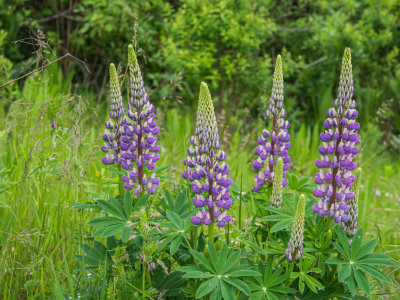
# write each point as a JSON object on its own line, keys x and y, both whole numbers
{"x": 43, "y": 169}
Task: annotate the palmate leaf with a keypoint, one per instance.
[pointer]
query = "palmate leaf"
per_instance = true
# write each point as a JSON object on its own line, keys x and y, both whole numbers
{"x": 268, "y": 284}
{"x": 221, "y": 270}
{"x": 359, "y": 261}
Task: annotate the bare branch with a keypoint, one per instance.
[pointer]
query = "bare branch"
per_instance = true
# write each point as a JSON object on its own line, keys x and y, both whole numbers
{"x": 45, "y": 66}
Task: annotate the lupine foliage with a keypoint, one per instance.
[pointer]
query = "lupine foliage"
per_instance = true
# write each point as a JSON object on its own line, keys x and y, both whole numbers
{"x": 288, "y": 252}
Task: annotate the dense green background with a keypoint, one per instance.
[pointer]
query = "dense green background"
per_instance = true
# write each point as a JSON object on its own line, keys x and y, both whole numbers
{"x": 228, "y": 44}
{"x": 231, "y": 45}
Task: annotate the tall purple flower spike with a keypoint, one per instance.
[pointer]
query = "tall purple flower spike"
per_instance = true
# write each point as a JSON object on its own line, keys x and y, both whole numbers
{"x": 112, "y": 134}
{"x": 274, "y": 144}
{"x": 139, "y": 141}
{"x": 338, "y": 150}
{"x": 207, "y": 170}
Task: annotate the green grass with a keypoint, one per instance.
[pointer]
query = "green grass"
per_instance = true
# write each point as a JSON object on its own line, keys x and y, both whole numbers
{"x": 43, "y": 170}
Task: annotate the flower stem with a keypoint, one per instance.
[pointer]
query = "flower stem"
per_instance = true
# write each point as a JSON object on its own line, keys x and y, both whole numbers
{"x": 144, "y": 280}
{"x": 211, "y": 232}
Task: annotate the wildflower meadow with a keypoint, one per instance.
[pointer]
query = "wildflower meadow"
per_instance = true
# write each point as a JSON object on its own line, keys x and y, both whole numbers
{"x": 233, "y": 178}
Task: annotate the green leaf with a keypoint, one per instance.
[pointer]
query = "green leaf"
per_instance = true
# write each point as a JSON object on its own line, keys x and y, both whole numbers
{"x": 362, "y": 281}
{"x": 313, "y": 283}
{"x": 230, "y": 262}
{"x": 335, "y": 261}
{"x": 257, "y": 296}
{"x": 206, "y": 287}
{"x": 169, "y": 198}
{"x": 174, "y": 218}
{"x": 125, "y": 234}
{"x": 213, "y": 256}
{"x": 106, "y": 221}
{"x": 301, "y": 285}
{"x": 112, "y": 230}
{"x": 374, "y": 272}
{"x": 276, "y": 218}
{"x": 254, "y": 246}
{"x": 356, "y": 243}
{"x": 279, "y": 211}
{"x": 367, "y": 248}
{"x": 237, "y": 283}
{"x": 271, "y": 296}
{"x": 227, "y": 292}
{"x": 344, "y": 241}
{"x": 187, "y": 269}
{"x": 180, "y": 200}
{"x": 351, "y": 285}
{"x": 344, "y": 272}
{"x": 281, "y": 225}
{"x": 376, "y": 259}
{"x": 340, "y": 249}
{"x": 222, "y": 256}
{"x": 216, "y": 295}
{"x": 141, "y": 202}
{"x": 128, "y": 203}
{"x": 175, "y": 245}
{"x": 202, "y": 260}
{"x": 110, "y": 208}
{"x": 246, "y": 272}
{"x": 196, "y": 274}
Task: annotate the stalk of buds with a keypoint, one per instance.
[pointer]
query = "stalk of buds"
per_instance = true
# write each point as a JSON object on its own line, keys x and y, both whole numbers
{"x": 207, "y": 170}
{"x": 139, "y": 142}
{"x": 295, "y": 246}
{"x": 339, "y": 147}
{"x": 276, "y": 197}
{"x": 351, "y": 225}
{"x": 112, "y": 134}
{"x": 274, "y": 144}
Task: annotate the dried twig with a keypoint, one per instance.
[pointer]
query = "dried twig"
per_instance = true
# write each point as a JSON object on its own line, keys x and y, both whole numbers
{"x": 45, "y": 66}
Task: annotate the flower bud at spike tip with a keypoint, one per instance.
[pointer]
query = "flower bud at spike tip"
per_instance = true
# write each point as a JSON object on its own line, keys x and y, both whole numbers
{"x": 351, "y": 225}
{"x": 294, "y": 250}
{"x": 207, "y": 170}
{"x": 276, "y": 197}
{"x": 339, "y": 140}
{"x": 275, "y": 143}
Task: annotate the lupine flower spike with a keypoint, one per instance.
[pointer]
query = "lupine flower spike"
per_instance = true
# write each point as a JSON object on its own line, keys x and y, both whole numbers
{"x": 275, "y": 143}
{"x": 112, "y": 134}
{"x": 139, "y": 141}
{"x": 295, "y": 246}
{"x": 276, "y": 197}
{"x": 338, "y": 149}
{"x": 207, "y": 170}
{"x": 351, "y": 225}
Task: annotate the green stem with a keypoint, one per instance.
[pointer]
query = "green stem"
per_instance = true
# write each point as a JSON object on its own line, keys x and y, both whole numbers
{"x": 144, "y": 280}
{"x": 227, "y": 233}
{"x": 121, "y": 185}
{"x": 240, "y": 202}
{"x": 211, "y": 232}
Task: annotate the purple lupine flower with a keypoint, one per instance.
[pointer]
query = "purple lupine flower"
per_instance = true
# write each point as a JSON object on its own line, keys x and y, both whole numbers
{"x": 139, "y": 141}
{"x": 294, "y": 250}
{"x": 337, "y": 151}
{"x": 206, "y": 169}
{"x": 351, "y": 225}
{"x": 275, "y": 143}
{"x": 112, "y": 134}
